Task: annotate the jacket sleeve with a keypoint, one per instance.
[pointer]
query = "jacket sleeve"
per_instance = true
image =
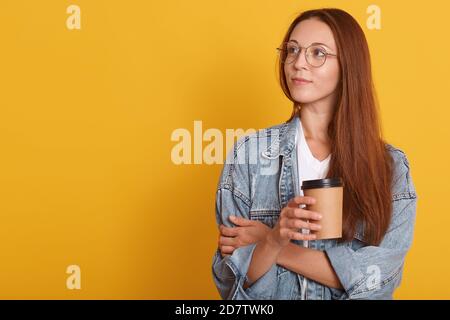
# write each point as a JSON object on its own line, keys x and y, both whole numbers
{"x": 374, "y": 272}
{"x": 229, "y": 273}
{"x": 233, "y": 198}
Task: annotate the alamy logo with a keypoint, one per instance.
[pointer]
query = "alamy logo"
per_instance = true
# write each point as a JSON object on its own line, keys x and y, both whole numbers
{"x": 374, "y": 279}
{"x": 212, "y": 153}
{"x": 257, "y": 151}
{"x": 74, "y": 280}
{"x": 74, "y": 20}
{"x": 374, "y": 20}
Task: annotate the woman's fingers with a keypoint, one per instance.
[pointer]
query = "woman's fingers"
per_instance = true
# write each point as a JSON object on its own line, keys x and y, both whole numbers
{"x": 226, "y": 249}
{"x": 301, "y": 236}
{"x": 227, "y": 241}
{"x": 241, "y": 221}
{"x": 299, "y": 213}
{"x": 228, "y": 231}
{"x": 296, "y": 201}
{"x": 291, "y": 234}
{"x": 301, "y": 224}
{"x": 293, "y": 218}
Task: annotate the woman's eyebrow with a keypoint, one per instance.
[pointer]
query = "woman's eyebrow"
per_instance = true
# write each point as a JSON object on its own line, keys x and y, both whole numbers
{"x": 314, "y": 43}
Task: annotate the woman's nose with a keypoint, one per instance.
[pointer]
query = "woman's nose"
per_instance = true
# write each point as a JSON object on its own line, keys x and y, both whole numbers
{"x": 301, "y": 62}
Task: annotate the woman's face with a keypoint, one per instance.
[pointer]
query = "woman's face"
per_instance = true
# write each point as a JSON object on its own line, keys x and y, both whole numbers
{"x": 324, "y": 79}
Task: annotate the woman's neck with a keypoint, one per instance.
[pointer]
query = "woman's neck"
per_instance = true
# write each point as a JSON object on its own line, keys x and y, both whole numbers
{"x": 315, "y": 121}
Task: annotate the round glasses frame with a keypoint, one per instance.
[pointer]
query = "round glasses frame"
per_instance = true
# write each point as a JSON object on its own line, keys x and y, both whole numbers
{"x": 283, "y": 54}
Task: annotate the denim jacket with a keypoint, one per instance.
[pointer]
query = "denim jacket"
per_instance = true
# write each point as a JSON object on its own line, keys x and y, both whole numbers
{"x": 258, "y": 179}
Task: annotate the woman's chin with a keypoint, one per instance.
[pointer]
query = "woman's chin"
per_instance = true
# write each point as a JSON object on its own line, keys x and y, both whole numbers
{"x": 300, "y": 98}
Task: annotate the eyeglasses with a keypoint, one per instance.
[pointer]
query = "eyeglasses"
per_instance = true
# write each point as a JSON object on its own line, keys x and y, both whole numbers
{"x": 316, "y": 55}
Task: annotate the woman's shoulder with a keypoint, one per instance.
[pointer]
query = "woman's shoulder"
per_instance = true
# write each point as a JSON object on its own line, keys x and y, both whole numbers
{"x": 268, "y": 133}
{"x": 402, "y": 184}
{"x": 243, "y": 159}
{"x": 398, "y": 156}
{"x": 393, "y": 149}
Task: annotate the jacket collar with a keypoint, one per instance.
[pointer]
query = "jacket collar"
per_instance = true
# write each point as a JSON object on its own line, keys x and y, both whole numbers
{"x": 285, "y": 139}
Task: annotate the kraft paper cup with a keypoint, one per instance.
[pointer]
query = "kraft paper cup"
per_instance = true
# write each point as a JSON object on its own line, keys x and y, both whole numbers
{"x": 329, "y": 201}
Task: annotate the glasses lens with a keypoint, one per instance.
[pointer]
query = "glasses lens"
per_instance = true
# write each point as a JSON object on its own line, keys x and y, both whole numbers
{"x": 289, "y": 52}
{"x": 316, "y": 56}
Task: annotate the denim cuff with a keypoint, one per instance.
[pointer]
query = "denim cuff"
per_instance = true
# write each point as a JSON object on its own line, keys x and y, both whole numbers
{"x": 240, "y": 260}
{"x": 342, "y": 260}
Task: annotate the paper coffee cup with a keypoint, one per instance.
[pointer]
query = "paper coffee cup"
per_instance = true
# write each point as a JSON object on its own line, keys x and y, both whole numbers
{"x": 329, "y": 201}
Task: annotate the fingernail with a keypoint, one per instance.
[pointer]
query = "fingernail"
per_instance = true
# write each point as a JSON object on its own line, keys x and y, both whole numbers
{"x": 232, "y": 217}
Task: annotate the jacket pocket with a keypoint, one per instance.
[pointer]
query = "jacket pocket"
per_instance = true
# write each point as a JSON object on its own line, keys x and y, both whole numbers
{"x": 268, "y": 217}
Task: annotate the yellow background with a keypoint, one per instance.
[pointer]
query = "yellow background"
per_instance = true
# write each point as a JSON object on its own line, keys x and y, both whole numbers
{"x": 86, "y": 117}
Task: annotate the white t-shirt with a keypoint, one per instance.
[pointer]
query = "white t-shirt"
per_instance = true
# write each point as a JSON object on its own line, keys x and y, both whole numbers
{"x": 309, "y": 168}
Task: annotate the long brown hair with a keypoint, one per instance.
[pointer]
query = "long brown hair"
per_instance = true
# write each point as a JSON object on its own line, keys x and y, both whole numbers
{"x": 358, "y": 150}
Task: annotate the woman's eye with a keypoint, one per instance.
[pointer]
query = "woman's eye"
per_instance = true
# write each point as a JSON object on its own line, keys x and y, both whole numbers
{"x": 292, "y": 50}
{"x": 319, "y": 53}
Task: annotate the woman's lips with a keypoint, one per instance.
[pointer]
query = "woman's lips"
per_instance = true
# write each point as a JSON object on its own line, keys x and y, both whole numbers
{"x": 300, "y": 82}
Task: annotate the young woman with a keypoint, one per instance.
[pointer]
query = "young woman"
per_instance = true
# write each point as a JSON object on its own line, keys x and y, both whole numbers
{"x": 333, "y": 131}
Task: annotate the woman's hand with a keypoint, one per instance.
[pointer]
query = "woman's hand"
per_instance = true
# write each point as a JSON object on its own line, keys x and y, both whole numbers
{"x": 246, "y": 232}
{"x": 292, "y": 218}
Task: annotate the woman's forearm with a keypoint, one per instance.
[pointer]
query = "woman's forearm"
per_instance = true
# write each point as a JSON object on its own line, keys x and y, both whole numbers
{"x": 264, "y": 256}
{"x": 313, "y": 264}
